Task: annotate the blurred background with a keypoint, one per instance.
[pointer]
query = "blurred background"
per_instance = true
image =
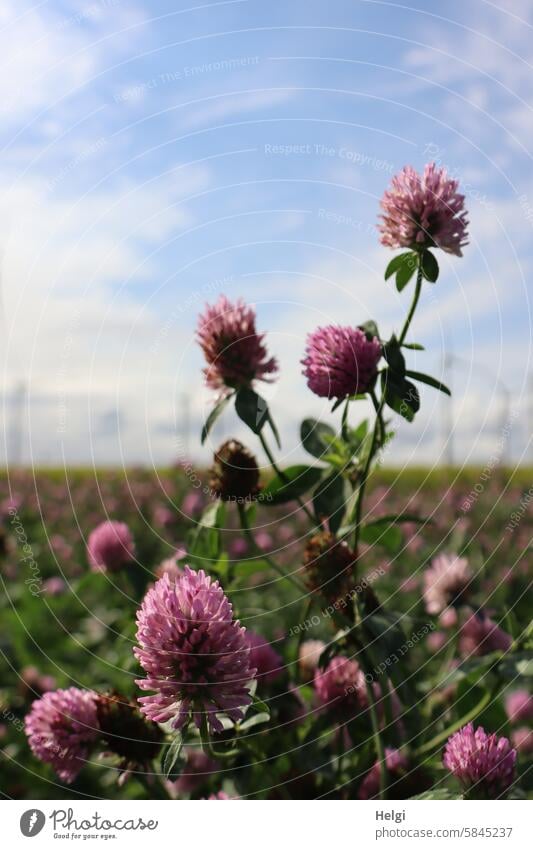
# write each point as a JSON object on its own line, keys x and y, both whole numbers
{"x": 155, "y": 154}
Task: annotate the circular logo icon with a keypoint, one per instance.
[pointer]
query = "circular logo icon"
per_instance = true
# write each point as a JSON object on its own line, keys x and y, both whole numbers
{"x": 32, "y": 822}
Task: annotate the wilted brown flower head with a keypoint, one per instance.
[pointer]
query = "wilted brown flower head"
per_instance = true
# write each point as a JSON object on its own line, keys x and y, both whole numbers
{"x": 125, "y": 731}
{"x": 235, "y": 474}
{"x": 329, "y": 565}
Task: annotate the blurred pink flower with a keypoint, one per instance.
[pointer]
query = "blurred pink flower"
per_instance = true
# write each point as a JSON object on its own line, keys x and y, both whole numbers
{"x": 340, "y": 361}
{"x": 483, "y": 763}
{"x": 448, "y": 618}
{"x": 436, "y": 640}
{"x": 308, "y": 657}
{"x": 238, "y": 547}
{"x": 54, "y": 586}
{"x": 424, "y": 211}
{"x": 196, "y": 656}
{"x": 522, "y": 739}
{"x": 264, "y": 540}
{"x": 479, "y": 635}
{"x": 171, "y": 565}
{"x": 267, "y": 662}
{"x": 110, "y": 546}
{"x": 235, "y": 353}
{"x": 397, "y": 765}
{"x": 519, "y": 706}
{"x": 445, "y": 581}
{"x": 341, "y": 684}
{"x": 61, "y": 728}
{"x": 34, "y": 684}
{"x": 192, "y": 504}
{"x": 164, "y": 517}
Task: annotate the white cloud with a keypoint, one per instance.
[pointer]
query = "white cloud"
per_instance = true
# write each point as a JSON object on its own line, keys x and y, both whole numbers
{"x": 220, "y": 107}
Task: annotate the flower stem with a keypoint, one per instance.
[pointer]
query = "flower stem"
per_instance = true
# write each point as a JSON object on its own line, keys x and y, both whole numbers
{"x": 273, "y": 565}
{"x": 364, "y": 477}
{"x": 414, "y": 303}
{"x": 468, "y": 717}
{"x": 378, "y": 742}
{"x": 379, "y": 413}
{"x": 344, "y": 426}
{"x": 280, "y": 474}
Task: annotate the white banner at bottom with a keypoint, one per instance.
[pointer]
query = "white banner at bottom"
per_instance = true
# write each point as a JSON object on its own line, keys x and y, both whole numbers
{"x": 312, "y": 823}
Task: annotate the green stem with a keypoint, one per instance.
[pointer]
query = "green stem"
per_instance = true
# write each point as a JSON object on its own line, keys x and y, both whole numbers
{"x": 306, "y": 610}
{"x": 207, "y": 745}
{"x": 364, "y": 477}
{"x": 378, "y": 742}
{"x": 379, "y": 413}
{"x": 273, "y": 565}
{"x": 455, "y": 726}
{"x": 344, "y": 425}
{"x": 416, "y": 296}
{"x": 280, "y": 474}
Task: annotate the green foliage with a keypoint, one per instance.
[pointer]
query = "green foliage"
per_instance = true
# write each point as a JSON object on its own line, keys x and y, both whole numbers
{"x": 254, "y": 412}
{"x": 294, "y": 482}
{"x": 402, "y": 267}
{"x": 216, "y": 411}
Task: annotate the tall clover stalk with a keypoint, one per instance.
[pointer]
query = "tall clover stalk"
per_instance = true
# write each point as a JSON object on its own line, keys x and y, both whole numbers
{"x": 344, "y": 365}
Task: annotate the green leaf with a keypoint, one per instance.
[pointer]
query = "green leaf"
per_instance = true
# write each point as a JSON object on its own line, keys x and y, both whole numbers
{"x": 213, "y": 416}
{"x": 518, "y": 664}
{"x": 399, "y": 518}
{"x": 473, "y": 669}
{"x": 382, "y": 533}
{"x": 205, "y": 538}
{"x": 430, "y": 266}
{"x": 312, "y": 434}
{"x": 394, "y": 357}
{"x": 370, "y": 328}
{"x": 403, "y": 266}
{"x": 252, "y": 409}
{"x": 425, "y": 378}
{"x": 413, "y": 346}
{"x": 387, "y": 649}
{"x": 397, "y": 263}
{"x": 470, "y": 691}
{"x": 295, "y": 481}
{"x": 259, "y": 706}
{"x": 170, "y": 758}
{"x": 438, "y": 793}
{"x": 244, "y": 568}
{"x": 357, "y": 436}
{"x": 404, "y": 275}
{"x": 329, "y": 500}
{"x": 213, "y": 515}
{"x": 400, "y": 394}
{"x": 252, "y": 721}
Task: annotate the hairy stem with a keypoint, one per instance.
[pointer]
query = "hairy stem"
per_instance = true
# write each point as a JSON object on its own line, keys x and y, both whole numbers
{"x": 414, "y": 303}
{"x": 279, "y": 472}
{"x": 364, "y": 477}
{"x": 455, "y": 726}
{"x": 378, "y": 742}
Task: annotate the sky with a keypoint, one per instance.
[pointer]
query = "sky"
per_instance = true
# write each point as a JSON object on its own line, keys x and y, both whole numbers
{"x": 156, "y": 154}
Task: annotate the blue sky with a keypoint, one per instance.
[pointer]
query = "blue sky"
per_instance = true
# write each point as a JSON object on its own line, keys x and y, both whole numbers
{"x": 156, "y": 154}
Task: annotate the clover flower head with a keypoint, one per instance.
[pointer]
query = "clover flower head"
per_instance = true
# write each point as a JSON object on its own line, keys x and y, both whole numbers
{"x": 196, "y": 656}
